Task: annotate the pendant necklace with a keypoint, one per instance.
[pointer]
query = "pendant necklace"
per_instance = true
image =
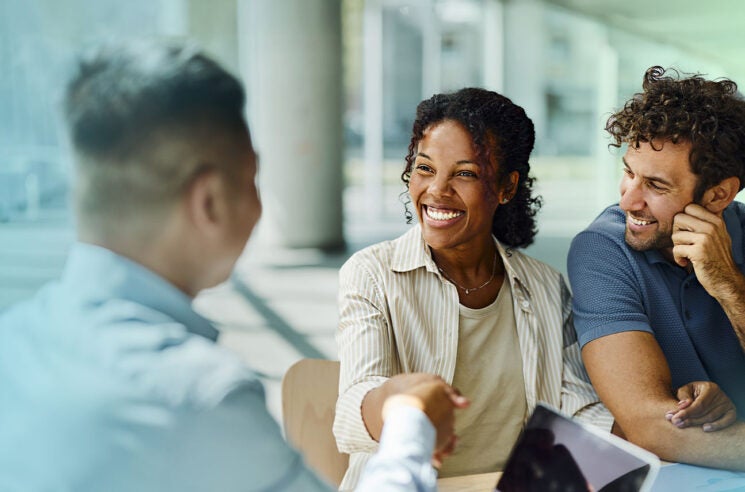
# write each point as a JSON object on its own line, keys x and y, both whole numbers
{"x": 473, "y": 289}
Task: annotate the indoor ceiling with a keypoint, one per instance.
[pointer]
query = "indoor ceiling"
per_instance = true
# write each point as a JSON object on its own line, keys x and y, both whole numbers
{"x": 714, "y": 29}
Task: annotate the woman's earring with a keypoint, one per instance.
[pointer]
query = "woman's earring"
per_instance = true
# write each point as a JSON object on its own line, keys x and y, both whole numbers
{"x": 505, "y": 200}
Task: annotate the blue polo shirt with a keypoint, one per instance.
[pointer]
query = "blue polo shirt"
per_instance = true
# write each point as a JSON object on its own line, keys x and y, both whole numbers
{"x": 617, "y": 289}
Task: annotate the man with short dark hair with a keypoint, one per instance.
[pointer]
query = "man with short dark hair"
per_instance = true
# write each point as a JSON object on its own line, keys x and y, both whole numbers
{"x": 109, "y": 380}
{"x": 659, "y": 279}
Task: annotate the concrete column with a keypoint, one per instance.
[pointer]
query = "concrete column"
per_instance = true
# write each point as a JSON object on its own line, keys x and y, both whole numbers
{"x": 372, "y": 94}
{"x": 493, "y": 45}
{"x": 523, "y": 53}
{"x": 174, "y": 18}
{"x": 214, "y": 25}
{"x": 606, "y": 82}
{"x": 290, "y": 58}
{"x": 431, "y": 51}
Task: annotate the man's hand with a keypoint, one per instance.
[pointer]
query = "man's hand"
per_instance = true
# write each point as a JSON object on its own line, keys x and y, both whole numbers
{"x": 436, "y": 399}
{"x": 700, "y": 239}
{"x": 702, "y": 403}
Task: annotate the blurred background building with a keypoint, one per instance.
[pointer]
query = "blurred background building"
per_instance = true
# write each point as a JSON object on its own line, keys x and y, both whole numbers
{"x": 333, "y": 86}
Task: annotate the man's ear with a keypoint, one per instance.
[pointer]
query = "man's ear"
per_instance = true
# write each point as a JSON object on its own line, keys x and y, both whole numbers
{"x": 719, "y": 196}
{"x": 203, "y": 200}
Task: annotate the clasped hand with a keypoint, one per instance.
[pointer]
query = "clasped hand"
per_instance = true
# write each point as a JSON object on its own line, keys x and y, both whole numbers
{"x": 702, "y": 403}
{"x": 437, "y": 399}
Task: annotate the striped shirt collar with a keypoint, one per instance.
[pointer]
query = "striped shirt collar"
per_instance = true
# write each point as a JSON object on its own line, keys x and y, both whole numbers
{"x": 411, "y": 252}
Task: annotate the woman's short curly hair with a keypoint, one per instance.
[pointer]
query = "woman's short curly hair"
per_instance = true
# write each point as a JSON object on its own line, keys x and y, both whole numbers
{"x": 710, "y": 114}
{"x": 500, "y": 131}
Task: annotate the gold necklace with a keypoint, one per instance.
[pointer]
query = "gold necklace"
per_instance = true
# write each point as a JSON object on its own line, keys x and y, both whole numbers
{"x": 466, "y": 289}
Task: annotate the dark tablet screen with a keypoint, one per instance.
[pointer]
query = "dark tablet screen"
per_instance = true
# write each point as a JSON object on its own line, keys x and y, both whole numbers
{"x": 557, "y": 453}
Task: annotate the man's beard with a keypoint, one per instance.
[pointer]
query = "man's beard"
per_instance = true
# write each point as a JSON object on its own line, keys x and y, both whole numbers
{"x": 659, "y": 240}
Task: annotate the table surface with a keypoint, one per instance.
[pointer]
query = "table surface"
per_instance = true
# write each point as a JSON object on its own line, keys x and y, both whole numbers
{"x": 483, "y": 482}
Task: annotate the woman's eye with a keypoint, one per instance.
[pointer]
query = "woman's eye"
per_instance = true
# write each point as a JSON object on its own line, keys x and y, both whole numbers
{"x": 467, "y": 174}
{"x": 424, "y": 168}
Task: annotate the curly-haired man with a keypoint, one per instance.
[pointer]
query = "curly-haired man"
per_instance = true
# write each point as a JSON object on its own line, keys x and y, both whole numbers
{"x": 658, "y": 279}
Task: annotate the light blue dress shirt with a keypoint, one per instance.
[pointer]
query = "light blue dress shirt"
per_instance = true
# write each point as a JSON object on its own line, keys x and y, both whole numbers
{"x": 109, "y": 381}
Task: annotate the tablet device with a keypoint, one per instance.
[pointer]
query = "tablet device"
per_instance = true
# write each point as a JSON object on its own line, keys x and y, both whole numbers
{"x": 555, "y": 452}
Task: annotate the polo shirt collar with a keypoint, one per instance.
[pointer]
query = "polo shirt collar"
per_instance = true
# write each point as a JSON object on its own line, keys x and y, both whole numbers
{"x": 655, "y": 256}
{"x": 100, "y": 275}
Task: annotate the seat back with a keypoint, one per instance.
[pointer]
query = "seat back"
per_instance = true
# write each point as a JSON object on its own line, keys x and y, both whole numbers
{"x": 310, "y": 388}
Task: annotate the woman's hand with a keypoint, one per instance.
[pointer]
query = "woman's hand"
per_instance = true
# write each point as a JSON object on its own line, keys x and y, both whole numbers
{"x": 703, "y": 403}
{"x": 438, "y": 400}
{"x": 428, "y": 392}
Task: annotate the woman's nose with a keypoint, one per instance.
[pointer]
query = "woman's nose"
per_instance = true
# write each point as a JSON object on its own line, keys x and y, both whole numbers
{"x": 440, "y": 185}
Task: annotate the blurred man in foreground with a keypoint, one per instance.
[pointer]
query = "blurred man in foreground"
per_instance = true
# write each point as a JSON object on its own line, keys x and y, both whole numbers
{"x": 108, "y": 378}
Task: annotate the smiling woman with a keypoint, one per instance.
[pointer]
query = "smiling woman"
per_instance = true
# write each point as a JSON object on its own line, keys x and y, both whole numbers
{"x": 453, "y": 298}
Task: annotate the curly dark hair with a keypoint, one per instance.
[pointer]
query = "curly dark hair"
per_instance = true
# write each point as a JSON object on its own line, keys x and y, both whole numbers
{"x": 501, "y": 131}
{"x": 710, "y": 114}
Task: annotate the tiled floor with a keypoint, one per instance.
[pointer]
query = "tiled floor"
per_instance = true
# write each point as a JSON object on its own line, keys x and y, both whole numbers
{"x": 275, "y": 314}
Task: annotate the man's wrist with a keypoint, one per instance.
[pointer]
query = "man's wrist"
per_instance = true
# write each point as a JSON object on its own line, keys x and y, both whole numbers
{"x": 400, "y": 400}
{"x": 732, "y": 294}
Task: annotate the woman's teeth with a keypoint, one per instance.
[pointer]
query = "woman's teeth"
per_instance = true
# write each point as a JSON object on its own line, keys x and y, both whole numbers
{"x": 438, "y": 214}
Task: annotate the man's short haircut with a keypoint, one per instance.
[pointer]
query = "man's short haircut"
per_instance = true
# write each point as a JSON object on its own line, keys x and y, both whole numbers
{"x": 133, "y": 112}
{"x": 710, "y": 114}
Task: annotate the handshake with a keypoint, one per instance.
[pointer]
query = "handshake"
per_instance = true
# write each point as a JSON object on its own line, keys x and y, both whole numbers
{"x": 433, "y": 396}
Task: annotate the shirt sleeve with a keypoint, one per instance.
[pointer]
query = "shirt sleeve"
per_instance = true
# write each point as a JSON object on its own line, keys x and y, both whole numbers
{"x": 403, "y": 462}
{"x": 578, "y": 396}
{"x": 607, "y": 295}
{"x": 237, "y": 446}
{"x": 366, "y": 352}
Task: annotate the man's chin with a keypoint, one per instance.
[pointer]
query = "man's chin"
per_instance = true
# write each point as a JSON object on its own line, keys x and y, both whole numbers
{"x": 638, "y": 243}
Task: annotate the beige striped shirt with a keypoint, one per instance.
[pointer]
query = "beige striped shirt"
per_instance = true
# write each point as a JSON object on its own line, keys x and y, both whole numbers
{"x": 399, "y": 315}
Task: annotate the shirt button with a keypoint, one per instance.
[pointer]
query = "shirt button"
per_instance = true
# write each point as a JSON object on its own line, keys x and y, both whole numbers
{"x": 688, "y": 314}
{"x": 525, "y": 304}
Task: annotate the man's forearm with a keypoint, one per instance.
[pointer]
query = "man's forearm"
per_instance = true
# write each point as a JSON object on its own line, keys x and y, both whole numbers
{"x": 721, "y": 449}
{"x": 632, "y": 378}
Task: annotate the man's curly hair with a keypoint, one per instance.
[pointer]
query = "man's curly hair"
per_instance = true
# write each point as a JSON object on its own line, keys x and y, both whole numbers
{"x": 500, "y": 131}
{"x": 710, "y": 114}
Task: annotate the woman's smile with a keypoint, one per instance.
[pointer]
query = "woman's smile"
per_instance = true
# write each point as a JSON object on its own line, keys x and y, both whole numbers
{"x": 440, "y": 216}
{"x": 451, "y": 189}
